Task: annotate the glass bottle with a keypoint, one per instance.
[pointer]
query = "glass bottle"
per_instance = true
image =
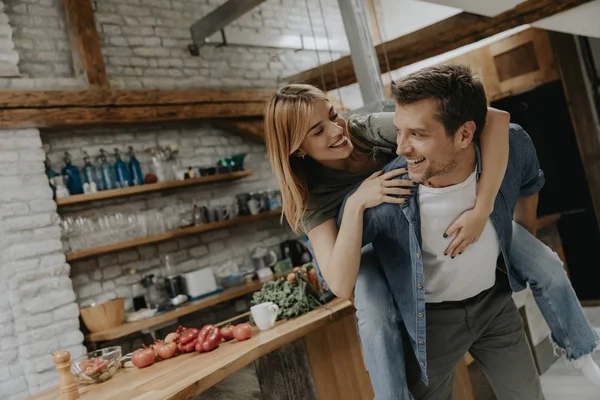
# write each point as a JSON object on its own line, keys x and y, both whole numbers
{"x": 109, "y": 181}
{"x": 136, "y": 177}
{"x": 74, "y": 183}
{"x": 121, "y": 170}
{"x": 89, "y": 173}
{"x": 139, "y": 293}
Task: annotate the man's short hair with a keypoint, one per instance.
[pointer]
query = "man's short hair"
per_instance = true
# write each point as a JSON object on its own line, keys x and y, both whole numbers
{"x": 458, "y": 92}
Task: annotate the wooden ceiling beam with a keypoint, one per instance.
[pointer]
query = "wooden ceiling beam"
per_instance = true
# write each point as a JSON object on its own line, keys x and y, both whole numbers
{"x": 85, "y": 42}
{"x": 81, "y": 116}
{"x": 436, "y": 39}
{"x": 106, "y": 98}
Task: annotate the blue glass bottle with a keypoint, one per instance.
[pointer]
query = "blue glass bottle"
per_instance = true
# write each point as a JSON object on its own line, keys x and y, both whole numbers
{"x": 90, "y": 175}
{"x": 135, "y": 170}
{"x": 109, "y": 181}
{"x": 74, "y": 183}
{"x": 121, "y": 170}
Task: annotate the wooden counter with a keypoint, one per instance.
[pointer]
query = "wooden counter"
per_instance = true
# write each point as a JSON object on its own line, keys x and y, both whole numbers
{"x": 332, "y": 348}
{"x": 185, "y": 309}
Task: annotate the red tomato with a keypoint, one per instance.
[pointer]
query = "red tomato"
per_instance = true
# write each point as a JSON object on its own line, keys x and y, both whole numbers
{"x": 227, "y": 332}
{"x": 242, "y": 332}
{"x": 143, "y": 357}
{"x": 165, "y": 350}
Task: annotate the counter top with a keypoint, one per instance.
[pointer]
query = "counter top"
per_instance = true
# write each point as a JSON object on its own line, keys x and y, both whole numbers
{"x": 186, "y": 375}
{"x": 186, "y": 308}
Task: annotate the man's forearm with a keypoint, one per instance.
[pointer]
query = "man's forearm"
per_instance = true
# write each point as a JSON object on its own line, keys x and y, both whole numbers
{"x": 526, "y": 212}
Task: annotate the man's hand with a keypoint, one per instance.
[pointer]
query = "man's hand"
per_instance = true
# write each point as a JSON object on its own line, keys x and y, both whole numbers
{"x": 526, "y": 212}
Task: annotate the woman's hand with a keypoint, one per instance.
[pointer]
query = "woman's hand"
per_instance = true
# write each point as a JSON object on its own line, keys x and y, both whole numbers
{"x": 380, "y": 188}
{"x": 467, "y": 228}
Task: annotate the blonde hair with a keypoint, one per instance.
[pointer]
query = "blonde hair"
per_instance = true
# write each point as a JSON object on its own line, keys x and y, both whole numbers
{"x": 287, "y": 120}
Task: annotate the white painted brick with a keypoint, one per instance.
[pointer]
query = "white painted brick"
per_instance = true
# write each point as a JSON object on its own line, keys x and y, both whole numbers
{"x": 42, "y": 379}
{"x": 108, "y": 286}
{"x": 71, "y": 338}
{"x": 8, "y": 343}
{"x": 40, "y": 364}
{"x": 13, "y": 386}
{"x": 49, "y": 301}
{"x": 32, "y": 321}
{"x": 47, "y": 206}
{"x": 27, "y": 223}
{"x": 111, "y": 272}
{"x": 96, "y": 275}
{"x": 127, "y": 256}
{"x": 38, "y": 348}
{"x": 66, "y": 312}
{"x": 88, "y": 290}
{"x": 16, "y": 370}
{"x": 109, "y": 259}
{"x": 26, "y": 250}
{"x": 4, "y": 373}
{"x": 13, "y": 209}
{"x": 80, "y": 279}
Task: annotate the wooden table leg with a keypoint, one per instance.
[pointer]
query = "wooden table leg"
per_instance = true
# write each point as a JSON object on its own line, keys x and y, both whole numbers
{"x": 336, "y": 362}
{"x": 463, "y": 389}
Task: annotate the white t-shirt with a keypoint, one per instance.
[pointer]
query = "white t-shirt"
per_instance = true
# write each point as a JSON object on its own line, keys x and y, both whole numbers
{"x": 468, "y": 274}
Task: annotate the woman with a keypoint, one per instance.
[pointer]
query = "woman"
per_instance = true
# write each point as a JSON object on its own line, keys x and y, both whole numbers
{"x": 318, "y": 158}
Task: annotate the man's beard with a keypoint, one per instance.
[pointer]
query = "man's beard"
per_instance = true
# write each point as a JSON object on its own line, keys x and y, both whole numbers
{"x": 438, "y": 169}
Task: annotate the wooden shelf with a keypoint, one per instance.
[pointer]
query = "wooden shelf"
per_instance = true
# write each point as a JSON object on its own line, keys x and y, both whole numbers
{"x": 94, "y": 251}
{"x": 150, "y": 187}
{"x": 131, "y": 327}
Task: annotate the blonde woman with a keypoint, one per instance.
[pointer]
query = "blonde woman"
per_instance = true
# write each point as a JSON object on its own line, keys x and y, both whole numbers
{"x": 319, "y": 158}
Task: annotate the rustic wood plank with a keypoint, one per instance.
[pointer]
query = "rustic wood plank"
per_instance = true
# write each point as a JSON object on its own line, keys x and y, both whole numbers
{"x": 251, "y": 127}
{"x": 336, "y": 361}
{"x": 95, "y": 251}
{"x": 581, "y": 109}
{"x": 85, "y": 42}
{"x": 186, "y": 375}
{"x": 105, "y": 98}
{"x": 284, "y": 374}
{"x": 441, "y": 37}
{"x": 80, "y": 116}
{"x": 149, "y": 187}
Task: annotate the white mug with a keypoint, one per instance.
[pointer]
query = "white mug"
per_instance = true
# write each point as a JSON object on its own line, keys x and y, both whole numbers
{"x": 264, "y": 315}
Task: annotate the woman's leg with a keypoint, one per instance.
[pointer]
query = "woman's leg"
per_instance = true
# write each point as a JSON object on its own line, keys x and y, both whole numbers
{"x": 542, "y": 269}
{"x": 380, "y": 330}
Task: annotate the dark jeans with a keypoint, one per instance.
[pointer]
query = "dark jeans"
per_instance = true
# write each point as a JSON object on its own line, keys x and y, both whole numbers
{"x": 490, "y": 327}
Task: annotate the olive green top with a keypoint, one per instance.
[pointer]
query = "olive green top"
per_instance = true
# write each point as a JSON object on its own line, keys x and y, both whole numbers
{"x": 327, "y": 187}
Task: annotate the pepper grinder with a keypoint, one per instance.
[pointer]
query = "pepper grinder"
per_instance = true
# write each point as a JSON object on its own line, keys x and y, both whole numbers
{"x": 68, "y": 385}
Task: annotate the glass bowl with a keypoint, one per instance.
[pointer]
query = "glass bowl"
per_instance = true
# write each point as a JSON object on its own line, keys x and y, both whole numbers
{"x": 97, "y": 366}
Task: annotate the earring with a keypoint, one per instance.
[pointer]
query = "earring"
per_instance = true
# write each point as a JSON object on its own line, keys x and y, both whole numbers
{"x": 303, "y": 155}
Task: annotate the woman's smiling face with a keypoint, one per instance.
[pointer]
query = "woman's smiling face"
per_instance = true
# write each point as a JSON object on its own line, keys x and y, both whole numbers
{"x": 327, "y": 138}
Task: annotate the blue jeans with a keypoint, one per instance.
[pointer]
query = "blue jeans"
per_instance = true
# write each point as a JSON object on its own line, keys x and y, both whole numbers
{"x": 380, "y": 328}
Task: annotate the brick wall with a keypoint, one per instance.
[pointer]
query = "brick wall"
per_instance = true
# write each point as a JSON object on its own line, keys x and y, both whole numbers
{"x": 147, "y": 46}
{"x": 199, "y": 145}
{"x": 40, "y": 38}
{"x": 38, "y": 312}
{"x": 8, "y": 55}
{"x": 144, "y": 43}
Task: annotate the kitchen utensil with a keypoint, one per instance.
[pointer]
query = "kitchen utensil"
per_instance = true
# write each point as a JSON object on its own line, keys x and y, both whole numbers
{"x": 199, "y": 283}
{"x": 295, "y": 250}
{"x": 264, "y": 315}
{"x": 230, "y": 281}
{"x": 262, "y": 257}
{"x": 99, "y": 317}
{"x": 242, "y": 202}
{"x": 238, "y": 160}
{"x": 97, "y": 366}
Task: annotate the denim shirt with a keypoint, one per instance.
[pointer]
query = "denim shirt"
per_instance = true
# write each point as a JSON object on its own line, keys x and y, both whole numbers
{"x": 395, "y": 232}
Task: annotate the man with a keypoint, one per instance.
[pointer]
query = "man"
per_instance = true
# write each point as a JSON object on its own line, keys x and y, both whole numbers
{"x": 439, "y": 113}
